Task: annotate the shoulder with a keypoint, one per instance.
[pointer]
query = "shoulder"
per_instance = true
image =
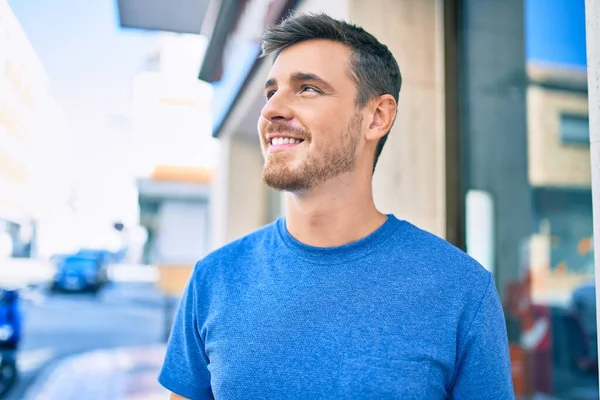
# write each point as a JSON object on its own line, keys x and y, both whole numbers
{"x": 439, "y": 252}
{"x": 242, "y": 246}
{"x": 228, "y": 258}
{"x": 458, "y": 285}
{"x": 441, "y": 262}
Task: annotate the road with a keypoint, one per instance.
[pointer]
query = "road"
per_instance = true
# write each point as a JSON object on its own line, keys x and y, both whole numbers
{"x": 59, "y": 325}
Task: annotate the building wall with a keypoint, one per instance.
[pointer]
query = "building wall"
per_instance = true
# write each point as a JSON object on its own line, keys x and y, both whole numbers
{"x": 239, "y": 200}
{"x": 182, "y": 239}
{"x": 494, "y": 124}
{"x": 35, "y": 183}
{"x": 175, "y": 211}
{"x": 22, "y": 82}
{"x": 548, "y": 155}
{"x": 410, "y": 177}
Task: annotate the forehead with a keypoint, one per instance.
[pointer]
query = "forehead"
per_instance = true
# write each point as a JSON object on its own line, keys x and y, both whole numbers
{"x": 325, "y": 58}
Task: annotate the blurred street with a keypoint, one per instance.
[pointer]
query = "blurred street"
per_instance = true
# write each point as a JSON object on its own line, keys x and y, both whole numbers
{"x": 131, "y": 147}
{"x": 128, "y": 312}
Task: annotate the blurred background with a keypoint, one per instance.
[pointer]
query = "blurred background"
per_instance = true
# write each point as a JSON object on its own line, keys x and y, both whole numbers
{"x": 128, "y": 150}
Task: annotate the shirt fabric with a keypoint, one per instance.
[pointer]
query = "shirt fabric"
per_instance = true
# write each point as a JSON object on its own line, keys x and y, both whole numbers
{"x": 399, "y": 314}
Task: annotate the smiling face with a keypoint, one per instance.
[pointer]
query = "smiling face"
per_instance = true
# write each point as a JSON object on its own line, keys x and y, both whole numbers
{"x": 310, "y": 126}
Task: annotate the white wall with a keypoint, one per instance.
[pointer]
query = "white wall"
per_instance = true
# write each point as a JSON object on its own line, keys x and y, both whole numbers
{"x": 239, "y": 199}
{"x": 182, "y": 238}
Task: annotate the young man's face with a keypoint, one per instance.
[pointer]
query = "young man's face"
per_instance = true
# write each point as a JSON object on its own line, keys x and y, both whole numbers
{"x": 310, "y": 126}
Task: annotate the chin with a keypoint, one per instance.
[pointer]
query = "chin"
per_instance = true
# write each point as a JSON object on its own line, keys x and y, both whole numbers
{"x": 282, "y": 179}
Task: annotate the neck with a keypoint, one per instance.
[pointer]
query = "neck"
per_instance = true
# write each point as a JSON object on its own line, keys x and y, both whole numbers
{"x": 338, "y": 212}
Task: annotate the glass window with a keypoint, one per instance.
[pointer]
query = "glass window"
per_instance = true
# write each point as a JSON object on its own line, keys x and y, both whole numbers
{"x": 526, "y": 177}
{"x": 574, "y": 129}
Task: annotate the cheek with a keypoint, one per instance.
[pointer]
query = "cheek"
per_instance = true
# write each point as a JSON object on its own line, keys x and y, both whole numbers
{"x": 328, "y": 133}
{"x": 261, "y": 125}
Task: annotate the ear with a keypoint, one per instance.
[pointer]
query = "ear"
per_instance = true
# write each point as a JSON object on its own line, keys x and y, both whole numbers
{"x": 382, "y": 115}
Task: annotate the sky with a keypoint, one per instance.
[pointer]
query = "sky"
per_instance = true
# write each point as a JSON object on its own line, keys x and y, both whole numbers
{"x": 91, "y": 63}
{"x": 556, "y": 34}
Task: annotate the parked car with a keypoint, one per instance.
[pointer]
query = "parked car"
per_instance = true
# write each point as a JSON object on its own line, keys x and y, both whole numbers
{"x": 10, "y": 337}
{"x": 81, "y": 272}
{"x": 103, "y": 256}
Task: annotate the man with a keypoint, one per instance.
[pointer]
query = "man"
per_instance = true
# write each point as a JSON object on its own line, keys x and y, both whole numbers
{"x": 336, "y": 300}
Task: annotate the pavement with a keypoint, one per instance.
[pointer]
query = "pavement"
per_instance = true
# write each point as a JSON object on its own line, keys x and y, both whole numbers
{"x": 79, "y": 346}
{"x": 119, "y": 374}
{"x": 127, "y": 365}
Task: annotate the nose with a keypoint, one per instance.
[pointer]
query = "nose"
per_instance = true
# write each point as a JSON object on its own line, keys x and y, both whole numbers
{"x": 277, "y": 108}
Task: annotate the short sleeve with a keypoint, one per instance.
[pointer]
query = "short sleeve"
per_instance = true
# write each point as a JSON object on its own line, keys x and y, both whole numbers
{"x": 483, "y": 366}
{"x": 184, "y": 370}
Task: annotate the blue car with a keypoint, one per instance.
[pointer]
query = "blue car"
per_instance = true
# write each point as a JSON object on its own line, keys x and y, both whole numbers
{"x": 10, "y": 337}
{"x": 80, "y": 272}
{"x": 10, "y": 319}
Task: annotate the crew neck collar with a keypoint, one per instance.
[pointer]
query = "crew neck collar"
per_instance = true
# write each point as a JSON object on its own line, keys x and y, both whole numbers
{"x": 339, "y": 254}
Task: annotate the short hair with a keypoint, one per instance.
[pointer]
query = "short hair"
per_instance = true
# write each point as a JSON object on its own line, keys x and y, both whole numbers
{"x": 372, "y": 65}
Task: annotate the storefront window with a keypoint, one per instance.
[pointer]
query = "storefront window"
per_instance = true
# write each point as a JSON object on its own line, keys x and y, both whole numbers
{"x": 526, "y": 177}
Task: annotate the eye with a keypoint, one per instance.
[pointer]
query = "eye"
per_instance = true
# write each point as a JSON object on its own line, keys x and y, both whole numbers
{"x": 269, "y": 94}
{"x": 309, "y": 89}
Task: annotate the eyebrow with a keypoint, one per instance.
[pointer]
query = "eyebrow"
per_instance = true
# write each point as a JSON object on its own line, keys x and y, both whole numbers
{"x": 301, "y": 77}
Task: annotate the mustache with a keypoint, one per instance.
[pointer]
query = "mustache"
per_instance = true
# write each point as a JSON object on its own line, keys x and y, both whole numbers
{"x": 283, "y": 128}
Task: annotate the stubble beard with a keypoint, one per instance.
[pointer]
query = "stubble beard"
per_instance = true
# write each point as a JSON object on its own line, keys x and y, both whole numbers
{"x": 282, "y": 173}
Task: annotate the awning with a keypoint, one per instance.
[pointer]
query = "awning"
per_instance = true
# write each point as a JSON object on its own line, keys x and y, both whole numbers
{"x": 181, "y": 16}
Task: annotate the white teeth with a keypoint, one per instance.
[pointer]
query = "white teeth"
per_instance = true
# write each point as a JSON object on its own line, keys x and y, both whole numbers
{"x": 281, "y": 141}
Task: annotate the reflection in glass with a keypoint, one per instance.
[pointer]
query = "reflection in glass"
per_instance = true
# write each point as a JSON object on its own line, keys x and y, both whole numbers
{"x": 525, "y": 142}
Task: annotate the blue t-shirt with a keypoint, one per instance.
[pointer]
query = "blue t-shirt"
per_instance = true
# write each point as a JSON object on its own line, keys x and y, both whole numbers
{"x": 400, "y": 314}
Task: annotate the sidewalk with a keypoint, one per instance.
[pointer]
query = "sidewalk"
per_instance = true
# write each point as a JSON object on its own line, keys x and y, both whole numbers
{"x": 116, "y": 374}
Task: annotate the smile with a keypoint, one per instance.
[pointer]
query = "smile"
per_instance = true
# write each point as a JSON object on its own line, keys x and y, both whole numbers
{"x": 278, "y": 144}
{"x": 278, "y": 141}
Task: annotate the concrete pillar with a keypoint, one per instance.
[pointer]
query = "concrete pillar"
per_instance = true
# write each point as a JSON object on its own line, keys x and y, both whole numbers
{"x": 494, "y": 125}
{"x": 409, "y": 179}
{"x": 592, "y": 12}
{"x": 239, "y": 200}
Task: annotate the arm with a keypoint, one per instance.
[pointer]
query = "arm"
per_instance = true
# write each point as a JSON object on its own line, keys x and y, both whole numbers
{"x": 483, "y": 365}
{"x": 185, "y": 368}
